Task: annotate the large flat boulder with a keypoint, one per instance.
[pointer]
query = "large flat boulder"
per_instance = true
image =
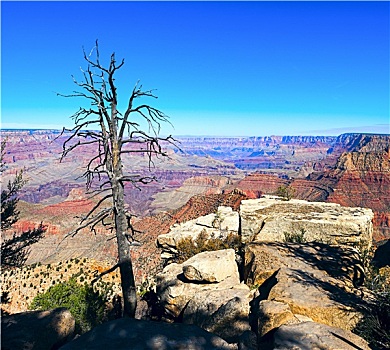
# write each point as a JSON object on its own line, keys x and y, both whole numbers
{"x": 271, "y": 218}
{"x": 37, "y": 330}
{"x": 132, "y": 334}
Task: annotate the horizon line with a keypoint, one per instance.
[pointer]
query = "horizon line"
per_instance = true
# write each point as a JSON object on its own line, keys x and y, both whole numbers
{"x": 216, "y": 136}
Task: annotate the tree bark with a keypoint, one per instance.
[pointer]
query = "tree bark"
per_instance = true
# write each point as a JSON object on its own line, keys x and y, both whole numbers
{"x": 121, "y": 224}
{"x": 125, "y": 265}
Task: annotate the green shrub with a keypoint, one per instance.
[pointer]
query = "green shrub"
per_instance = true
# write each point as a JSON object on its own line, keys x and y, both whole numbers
{"x": 285, "y": 192}
{"x": 295, "y": 237}
{"x": 375, "y": 326}
{"x": 188, "y": 247}
{"x": 86, "y": 305}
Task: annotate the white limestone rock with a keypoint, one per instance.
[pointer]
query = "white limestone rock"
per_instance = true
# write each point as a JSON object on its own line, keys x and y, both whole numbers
{"x": 269, "y": 218}
{"x": 220, "y": 224}
{"x": 174, "y": 290}
{"x": 211, "y": 266}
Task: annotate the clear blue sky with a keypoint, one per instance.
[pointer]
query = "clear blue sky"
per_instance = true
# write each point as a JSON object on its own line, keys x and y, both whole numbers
{"x": 220, "y": 68}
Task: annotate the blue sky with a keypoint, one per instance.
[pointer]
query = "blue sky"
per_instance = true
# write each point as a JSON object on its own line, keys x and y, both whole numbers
{"x": 220, "y": 68}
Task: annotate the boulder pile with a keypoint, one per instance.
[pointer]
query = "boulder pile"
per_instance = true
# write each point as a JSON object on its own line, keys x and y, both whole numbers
{"x": 289, "y": 295}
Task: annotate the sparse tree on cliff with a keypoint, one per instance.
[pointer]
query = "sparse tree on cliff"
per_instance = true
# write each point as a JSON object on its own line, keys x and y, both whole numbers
{"x": 14, "y": 250}
{"x": 114, "y": 135}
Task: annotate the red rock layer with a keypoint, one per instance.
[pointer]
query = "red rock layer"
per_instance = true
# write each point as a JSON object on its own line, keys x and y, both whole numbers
{"x": 255, "y": 185}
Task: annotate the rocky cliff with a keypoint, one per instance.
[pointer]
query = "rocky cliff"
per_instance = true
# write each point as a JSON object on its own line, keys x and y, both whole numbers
{"x": 272, "y": 219}
{"x": 285, "y": 153}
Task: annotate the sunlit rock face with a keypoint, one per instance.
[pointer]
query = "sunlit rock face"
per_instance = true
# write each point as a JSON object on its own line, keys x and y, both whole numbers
{"x": 272, "y": 219}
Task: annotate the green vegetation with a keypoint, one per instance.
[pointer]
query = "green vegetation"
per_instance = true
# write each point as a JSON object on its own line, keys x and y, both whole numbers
{"x": 295, "y": 237}
{"x": 285, "y": 192}
{"x": 375, "y": 326}
{"x": 188, "y": 247}
{"x": 86, "y": 305}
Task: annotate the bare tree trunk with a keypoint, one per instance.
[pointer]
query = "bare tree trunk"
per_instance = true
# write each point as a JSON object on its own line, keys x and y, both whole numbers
{"x": 121, "y": 224}
{"x": 116, "y": 130}
{"x": 125, "y": 265}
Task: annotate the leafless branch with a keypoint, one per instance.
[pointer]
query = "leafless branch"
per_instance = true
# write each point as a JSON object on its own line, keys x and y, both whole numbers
{"x": 97, "y": 205}
{"x": 99, "y": 276}
{"x": 88, "y": 223}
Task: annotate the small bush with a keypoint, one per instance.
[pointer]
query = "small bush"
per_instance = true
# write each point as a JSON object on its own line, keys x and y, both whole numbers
{"x": 375, "y": 325}
{"x": 285, "y": 192}
{"x": 295, "y": 237}
{"x": 86, "y": 305}
{"x": 187, "y": 247}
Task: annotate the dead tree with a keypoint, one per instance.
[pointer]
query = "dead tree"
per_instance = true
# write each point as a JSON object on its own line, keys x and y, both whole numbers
{"x": 114, "y": 135}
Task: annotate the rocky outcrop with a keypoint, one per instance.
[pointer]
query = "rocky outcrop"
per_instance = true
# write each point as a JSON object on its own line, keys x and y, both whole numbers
{"x": 314, "y": 280}
{"x": 127, "y": 333}
{"x": 271, "y": 218}
{"x": 218, "y": 303}
{"x": 220, "y": 224}
{"x": 36, "y": 330}
{"x": 286, "y": 284}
